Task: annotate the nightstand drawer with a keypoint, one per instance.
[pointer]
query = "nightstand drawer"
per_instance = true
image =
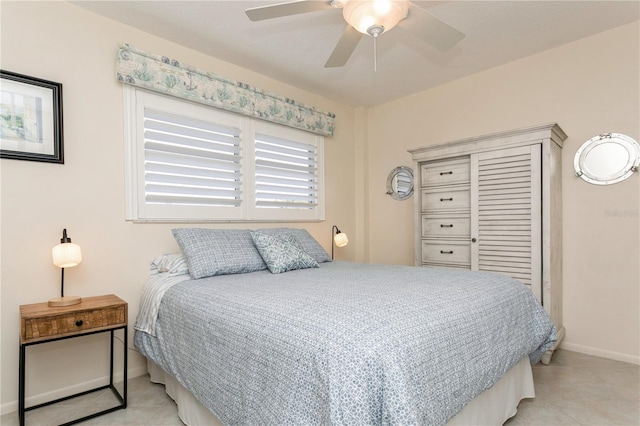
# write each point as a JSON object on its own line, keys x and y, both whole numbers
{"x": 37, "y": 328}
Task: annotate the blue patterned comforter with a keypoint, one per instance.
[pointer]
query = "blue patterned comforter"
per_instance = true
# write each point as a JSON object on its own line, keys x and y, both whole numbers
{"x": 346, "y": 343}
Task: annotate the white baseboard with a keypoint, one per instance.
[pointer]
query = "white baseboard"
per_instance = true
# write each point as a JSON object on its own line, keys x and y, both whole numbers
{"x": 600, "y": 352}
{"x": 30, "y": 401}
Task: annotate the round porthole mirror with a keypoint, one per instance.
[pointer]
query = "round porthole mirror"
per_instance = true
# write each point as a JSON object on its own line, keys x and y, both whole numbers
{"x": 400, "y": 183}
{"x": 607, "y": 159}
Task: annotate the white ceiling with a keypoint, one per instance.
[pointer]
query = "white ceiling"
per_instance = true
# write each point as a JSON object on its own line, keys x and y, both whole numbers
{"x": 293, "y": 49}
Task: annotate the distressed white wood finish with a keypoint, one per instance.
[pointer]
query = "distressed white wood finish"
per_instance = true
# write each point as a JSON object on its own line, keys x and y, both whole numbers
{"x": 444, "y": 225}
{"x": 513, "y": 184}
{"x": 445, "y": 199}
{"x": 446, "y": 252}
{"x": 506, "y": 214}
{"x": 445, "y": 213}
{"x": 445, "y": 172}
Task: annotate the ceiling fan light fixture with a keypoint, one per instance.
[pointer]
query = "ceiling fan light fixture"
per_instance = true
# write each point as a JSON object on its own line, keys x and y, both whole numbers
{"x": 363, "y": 15}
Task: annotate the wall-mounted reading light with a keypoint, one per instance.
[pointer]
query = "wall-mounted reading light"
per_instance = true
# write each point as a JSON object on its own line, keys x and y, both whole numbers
{"x": 339, "y": 238}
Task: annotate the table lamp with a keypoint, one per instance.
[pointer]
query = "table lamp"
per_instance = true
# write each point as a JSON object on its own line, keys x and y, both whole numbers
{"x": 65, "y": 255}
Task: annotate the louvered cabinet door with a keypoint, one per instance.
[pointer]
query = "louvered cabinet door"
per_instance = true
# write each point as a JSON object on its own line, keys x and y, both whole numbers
{"x": 506, "y": 215}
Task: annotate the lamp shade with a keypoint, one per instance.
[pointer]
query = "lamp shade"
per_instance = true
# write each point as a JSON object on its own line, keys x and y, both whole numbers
{"x": 381, "y": 14}
{"x": 341, "y": 239}
{"x": 66, "y": 255}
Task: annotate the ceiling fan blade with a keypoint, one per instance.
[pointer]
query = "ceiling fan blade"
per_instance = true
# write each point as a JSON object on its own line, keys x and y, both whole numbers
{"x": 286, "y": 9}
{"x": 345, "y": 47}
{"x": 429, "y": 28}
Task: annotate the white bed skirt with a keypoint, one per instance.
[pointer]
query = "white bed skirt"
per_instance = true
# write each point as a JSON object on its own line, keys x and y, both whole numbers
{"x": 492, "y": 407}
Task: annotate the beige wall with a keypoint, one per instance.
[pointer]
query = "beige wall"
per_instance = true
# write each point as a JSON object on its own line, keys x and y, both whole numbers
{"x": 588, "y": 87}
{"x": 61, "y": 42}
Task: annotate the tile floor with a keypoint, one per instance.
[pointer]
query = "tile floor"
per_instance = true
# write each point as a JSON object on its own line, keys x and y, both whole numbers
{"x": 576, "y": 389}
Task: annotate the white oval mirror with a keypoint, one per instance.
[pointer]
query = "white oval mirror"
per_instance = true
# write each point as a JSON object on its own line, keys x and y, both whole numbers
{"x": 400, "y": 183}
{"x": 607, "y": 159}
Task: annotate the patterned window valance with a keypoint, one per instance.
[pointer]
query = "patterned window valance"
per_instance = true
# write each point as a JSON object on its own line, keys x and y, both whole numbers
{"x": 168, "y": 76}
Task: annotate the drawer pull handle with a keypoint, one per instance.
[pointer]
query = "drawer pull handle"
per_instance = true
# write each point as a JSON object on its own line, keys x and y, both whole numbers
{"x": 446, "y": 252}
{"x": 445, "y": 173}
{"x": 446, "y": 226}
{"x": 446, "y": 199}
{"x": 79, "y": 323}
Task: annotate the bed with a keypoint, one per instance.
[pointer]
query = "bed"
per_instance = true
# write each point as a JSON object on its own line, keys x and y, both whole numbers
{"x": 324, "y": 342}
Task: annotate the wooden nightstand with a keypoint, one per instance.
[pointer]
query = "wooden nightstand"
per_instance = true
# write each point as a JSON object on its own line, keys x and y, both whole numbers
{"x": 41, "y": 323}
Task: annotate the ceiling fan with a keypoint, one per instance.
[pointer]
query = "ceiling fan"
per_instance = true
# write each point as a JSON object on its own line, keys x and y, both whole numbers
{"x": 371, "y": 17}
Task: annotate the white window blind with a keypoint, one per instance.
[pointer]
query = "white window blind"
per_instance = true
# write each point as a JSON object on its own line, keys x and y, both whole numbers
{"x": 192, "y": 163}
{"x": 285, "y": 173}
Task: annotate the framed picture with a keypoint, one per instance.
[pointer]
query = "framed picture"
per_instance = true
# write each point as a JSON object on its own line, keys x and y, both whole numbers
{"x": 30, "y": 118}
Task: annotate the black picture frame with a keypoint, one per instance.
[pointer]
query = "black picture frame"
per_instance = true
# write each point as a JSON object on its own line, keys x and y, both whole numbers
{"x": 30, "y": 118}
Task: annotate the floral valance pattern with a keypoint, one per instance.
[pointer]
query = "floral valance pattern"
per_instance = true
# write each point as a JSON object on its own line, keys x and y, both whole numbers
{"x": 171, "y": 77}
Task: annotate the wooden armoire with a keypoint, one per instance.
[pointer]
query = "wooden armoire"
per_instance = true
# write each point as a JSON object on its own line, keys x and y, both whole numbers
{"x": 494, "y": 203}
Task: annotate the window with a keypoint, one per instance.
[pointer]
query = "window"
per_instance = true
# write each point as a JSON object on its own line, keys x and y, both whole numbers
{"x": 286, "y": 173}
{"x": 188, "y": 162}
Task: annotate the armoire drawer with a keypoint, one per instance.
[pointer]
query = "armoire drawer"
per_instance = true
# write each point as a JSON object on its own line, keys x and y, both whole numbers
{"x": 456, "y": 226}
{"x": 445, "y": 172}
{"x": 446, "y": 199}
{"x": 438, "y": 265}
{"x": 446, "y": 252}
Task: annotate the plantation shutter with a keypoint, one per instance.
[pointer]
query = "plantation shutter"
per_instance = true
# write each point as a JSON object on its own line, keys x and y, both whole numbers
{"x": 286, "y": 173}
{"x": 187, "y": 162}
{"x": 190, "y": 162}
{"x": 508, "y": 213}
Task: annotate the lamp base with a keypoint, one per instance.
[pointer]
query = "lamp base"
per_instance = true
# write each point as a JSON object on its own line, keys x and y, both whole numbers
{"x": 65, "y": 301}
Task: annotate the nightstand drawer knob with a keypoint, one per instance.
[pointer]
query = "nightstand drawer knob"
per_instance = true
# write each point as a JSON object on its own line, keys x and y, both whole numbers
{"x": 79, "y": 323}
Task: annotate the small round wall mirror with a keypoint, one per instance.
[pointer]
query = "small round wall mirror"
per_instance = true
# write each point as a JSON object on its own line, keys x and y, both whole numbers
{"x": 607, "y": 159}
{"x": 400, "y": 183}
